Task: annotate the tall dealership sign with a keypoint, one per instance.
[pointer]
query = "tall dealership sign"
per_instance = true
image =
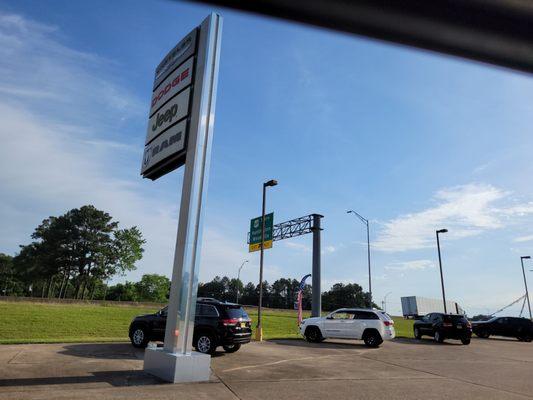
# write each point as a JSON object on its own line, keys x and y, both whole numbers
{"x": 180, "y": 132}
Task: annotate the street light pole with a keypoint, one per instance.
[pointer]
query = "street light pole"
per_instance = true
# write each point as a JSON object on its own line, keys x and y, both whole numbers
{"x": 440, "y": 267}
{"x": 239, "y": 279}
{"x": 259, "y": 330}
{"x": 525, "y": 283}
{"x": 385, "y": 302}
{"x": 365, "y": 221}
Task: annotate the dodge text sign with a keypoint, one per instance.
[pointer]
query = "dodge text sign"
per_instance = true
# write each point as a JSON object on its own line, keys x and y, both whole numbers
{"x": 168, "y": 124}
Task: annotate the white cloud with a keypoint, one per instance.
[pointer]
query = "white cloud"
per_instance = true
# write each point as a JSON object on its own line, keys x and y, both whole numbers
{"x": 528, "y": 238}
{"x": 40, "y": 73}
{"x": 298, "y": 246}
{"x": 466, "y": 210}
{"x": 52, "y": 159}
{"x": 330, "y": 249}
{"x": 223, "y": 255}
{"x": 415, "y": 265}
{"x": 58, "y": 152}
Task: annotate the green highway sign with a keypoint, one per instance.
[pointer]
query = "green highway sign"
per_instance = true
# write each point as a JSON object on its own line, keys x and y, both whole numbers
{"x": 255, "y": 232}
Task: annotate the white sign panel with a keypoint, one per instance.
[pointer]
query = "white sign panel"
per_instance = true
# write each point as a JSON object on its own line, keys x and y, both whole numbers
{"x": 173, "y": 96}
{"x": 183, "y": 50}
{"x": 170, "y": 142}
{"x": 176, "y": 109}
{"x": 174, "y": 83}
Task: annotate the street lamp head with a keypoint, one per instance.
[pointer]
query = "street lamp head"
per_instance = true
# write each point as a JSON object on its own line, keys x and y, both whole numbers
{"x": 442, "y": 231}
{"x": 525, "y": 257}
{"x": 271, "y": 182}
{"x": 349, "y": 211}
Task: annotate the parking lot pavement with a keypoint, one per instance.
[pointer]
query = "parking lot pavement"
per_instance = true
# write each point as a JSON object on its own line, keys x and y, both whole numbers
{"x": 279, "y": 369}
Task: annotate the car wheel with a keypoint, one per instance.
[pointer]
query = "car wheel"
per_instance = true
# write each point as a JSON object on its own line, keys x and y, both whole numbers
{"x": 526, "y": 338}
{"x": 205, "y": 343}
{"x": 465, "y": 340}
{"x": 313, "y": 335}
{"x": 372, "y": 339}
{"x": 139, "y": 337}
{"x": 231, "y": 348}
{"x": 482, "y": 334}
{"x": 417, "y": 334}
{"x": 438, "y": 337}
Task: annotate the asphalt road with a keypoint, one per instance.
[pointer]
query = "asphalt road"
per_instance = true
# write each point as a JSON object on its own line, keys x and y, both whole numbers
{"x": 282, "y": 369}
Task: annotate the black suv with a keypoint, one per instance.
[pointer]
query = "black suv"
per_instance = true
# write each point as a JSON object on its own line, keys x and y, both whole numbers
{"x": 443, "y": 326}
{"x": 520, "y": 328}
{"x": 216, "y": 324}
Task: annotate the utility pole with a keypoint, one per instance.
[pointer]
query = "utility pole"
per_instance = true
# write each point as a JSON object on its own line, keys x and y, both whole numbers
{"x": 316, "y": 307}
{"x": 525, "y": 283}
{"x": 365, "y": 221}
{"x": 259, "y": 330}
{"x": 384, "y": 302}
{"x": 239, "y": 279}
{"x": 440, "y": 266}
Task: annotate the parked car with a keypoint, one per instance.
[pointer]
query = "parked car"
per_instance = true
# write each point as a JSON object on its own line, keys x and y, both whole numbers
{"x": 372, "y": 326}
{"x": 216, "y": 324}
{"x": 520, "y": 328}
{"x": 443, "y": 326}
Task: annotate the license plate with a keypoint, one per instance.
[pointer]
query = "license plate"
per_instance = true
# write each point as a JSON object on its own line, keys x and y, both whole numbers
{"x": 243, "y": 324}
{"x": 459, "y": 327}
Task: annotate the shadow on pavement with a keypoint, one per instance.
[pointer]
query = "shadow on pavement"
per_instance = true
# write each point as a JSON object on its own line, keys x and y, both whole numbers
{"x": 106, "y": 351}
{"x": 114, "y": 378}
{"x": 326, "y": 344}
{"x": 428, "y": 342}
{"x": 497, "y": 338}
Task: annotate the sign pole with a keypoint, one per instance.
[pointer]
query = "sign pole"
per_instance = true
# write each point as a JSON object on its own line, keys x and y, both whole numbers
{"x": 259, "y": 331}
{"x": 316, "y": 306}
{"x": 176, "y": 362}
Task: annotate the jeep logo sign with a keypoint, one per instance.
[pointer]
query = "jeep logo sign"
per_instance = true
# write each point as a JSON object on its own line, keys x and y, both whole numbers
{"x": 175, "y": 110}
{"x": 168, "y": 124}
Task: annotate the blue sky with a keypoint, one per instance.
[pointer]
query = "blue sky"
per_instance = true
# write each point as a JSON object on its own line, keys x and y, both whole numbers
{"x": 414, "y": 141}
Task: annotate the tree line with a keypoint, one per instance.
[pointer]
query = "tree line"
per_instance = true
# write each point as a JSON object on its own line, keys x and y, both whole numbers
{"x": 283, "y": 292}
{"x": 71, "y": 256}
{"x": 76, "y": 254}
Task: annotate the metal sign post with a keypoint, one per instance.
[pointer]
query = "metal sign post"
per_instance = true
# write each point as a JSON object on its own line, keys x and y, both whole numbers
{"x": 288, "y": 229}
{"x": 176, "y": 362}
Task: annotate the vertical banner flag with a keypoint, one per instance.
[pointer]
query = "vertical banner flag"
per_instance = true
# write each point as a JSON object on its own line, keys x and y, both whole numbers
{"x": 300, "y": 296}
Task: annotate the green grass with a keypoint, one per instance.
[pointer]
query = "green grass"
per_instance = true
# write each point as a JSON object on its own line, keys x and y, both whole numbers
{"x": 62, "y": 323}
{"x": 52, "y": 323}
{"x": 403, "y": 327}
{"x": 277, "y": 324}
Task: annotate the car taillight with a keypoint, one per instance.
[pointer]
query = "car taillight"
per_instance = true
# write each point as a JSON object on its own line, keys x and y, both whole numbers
{"x": 229, "y": 322}
{"x": 388, "y": 323}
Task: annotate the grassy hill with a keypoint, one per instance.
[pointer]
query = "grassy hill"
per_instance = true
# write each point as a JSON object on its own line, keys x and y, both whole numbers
{"x": 28, "y": 322}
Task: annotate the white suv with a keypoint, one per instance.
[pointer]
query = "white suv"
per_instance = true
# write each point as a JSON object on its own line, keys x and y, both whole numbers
{"x": 373, "y": 326}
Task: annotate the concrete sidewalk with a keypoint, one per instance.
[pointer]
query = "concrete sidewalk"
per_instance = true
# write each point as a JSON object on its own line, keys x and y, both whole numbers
{"x": 283, "y": 369}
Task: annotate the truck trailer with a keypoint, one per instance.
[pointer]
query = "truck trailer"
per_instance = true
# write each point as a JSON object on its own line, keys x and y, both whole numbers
{"x": 415, "y": 306}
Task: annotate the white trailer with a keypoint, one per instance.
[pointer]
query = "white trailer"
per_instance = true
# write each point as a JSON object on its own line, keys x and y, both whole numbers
{"x": 415, "y": 306}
